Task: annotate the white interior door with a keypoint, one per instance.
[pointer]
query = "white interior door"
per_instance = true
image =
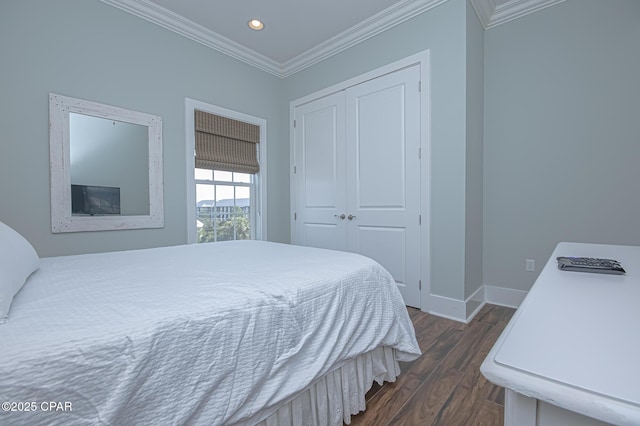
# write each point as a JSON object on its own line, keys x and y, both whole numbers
{"x": 357, "y": 178}
{"x": 319, "y": 181}
{"x": 383, "y": 175}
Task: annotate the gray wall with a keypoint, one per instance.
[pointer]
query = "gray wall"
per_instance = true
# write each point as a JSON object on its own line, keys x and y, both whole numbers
{"x": 93, "y": 51}
{"x": 442, "y": 30}
{"x": 562, "y": 134}
{"x": 474, "y": 154}
{"x": 89, "y": 50}
{"x": 561, "y": 123}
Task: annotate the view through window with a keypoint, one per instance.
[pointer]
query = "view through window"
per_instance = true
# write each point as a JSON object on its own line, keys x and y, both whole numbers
{"x": 224, "y": 205}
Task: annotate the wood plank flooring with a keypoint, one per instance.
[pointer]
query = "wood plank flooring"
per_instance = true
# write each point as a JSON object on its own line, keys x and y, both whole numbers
{"x": 444, "y": 386}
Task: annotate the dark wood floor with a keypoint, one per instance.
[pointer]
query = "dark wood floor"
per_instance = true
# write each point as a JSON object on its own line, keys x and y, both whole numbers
{"x": 444, "y": 386}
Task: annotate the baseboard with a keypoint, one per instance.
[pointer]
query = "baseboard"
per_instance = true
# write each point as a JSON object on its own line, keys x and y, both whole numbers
{"x": 465, "y": 310}
{"x": 503, "y": 296}
{"x": 446, "y": 307}
{"x": 457, "y": 310}
{"x": 474, "y": 303}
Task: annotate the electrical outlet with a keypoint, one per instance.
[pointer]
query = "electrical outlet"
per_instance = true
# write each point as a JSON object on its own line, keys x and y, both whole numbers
{"x": 530, "y": 265}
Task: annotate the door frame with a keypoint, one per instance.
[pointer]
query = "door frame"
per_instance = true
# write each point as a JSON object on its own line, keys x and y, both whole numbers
{"x": 423, "y": 60}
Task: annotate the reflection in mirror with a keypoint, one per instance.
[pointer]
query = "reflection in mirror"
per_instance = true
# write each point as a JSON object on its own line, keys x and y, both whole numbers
{"x": 106, "y": 167}
{"x": 108, "y": 154}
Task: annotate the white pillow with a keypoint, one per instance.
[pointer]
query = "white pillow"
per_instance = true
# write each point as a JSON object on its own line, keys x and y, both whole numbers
{"x": 18, "y": 260}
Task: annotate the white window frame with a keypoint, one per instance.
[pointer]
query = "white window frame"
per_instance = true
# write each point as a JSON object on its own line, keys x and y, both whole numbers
{"x": 259, "y": 179}
{"x": 252, "y": 195}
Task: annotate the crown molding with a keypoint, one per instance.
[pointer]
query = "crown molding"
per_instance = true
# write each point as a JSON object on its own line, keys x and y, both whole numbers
{"x": 388, "y": 18}
{"x": 488, "y": 13}
{"x": 484, "y": 9}
{"x": 158, "y": 15}
{"x": 492, "y": 15}
{"x": 372, "y": 26}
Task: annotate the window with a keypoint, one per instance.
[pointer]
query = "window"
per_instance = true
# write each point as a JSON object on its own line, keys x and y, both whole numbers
{"x": 224, "y": 205}
{"x": 226, "y": 174}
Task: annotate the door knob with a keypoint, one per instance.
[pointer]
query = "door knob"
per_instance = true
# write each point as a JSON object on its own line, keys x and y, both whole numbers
{"x": 351, "y": 217}
{"x": 342, "y": 216}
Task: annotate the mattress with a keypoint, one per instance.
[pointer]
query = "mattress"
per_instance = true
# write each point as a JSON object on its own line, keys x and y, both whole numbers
{"x": 219, "y": 333}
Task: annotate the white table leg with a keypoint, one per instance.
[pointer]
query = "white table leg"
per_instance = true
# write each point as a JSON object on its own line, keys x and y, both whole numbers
{"x": 519, "y": 410}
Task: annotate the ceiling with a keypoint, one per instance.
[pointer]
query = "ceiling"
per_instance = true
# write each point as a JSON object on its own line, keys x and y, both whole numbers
{"x": 299, "y": 33}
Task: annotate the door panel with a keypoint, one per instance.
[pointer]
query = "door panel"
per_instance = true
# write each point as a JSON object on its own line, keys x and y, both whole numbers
{"x": 320, "y": 158}
{"x": 383, "y": 185}
{"x": 379, "y": 158}
{"x": 323, "y": 235}
{"x": 385, "y": 245}
{"x": 320, "y": 167}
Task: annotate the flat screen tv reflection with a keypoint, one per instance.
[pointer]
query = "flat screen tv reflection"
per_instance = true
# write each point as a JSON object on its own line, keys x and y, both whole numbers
{"x": 95, "y": 200}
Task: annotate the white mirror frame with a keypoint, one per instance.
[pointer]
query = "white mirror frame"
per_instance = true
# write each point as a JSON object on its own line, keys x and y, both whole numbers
{"x": 60, "y": 167}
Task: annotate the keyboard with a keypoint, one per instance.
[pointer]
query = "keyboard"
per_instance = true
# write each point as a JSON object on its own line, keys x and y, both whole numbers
{"x": 590, "y": 264}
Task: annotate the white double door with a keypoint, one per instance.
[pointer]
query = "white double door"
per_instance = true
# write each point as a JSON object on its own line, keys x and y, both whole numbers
{"x": 357, "y": 174}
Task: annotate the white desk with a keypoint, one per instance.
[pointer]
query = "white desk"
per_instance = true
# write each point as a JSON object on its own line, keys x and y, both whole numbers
{"x": 571, "y": 353}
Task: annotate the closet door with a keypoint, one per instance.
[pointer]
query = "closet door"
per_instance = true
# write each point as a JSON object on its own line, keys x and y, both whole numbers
{"x": 319, "y": 182}
{"x": 383, "y": 175}
{"x": 357, "y": 179}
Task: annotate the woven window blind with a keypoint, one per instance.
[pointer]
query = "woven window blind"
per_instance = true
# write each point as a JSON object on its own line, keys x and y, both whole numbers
{"x": 226, "y": 144}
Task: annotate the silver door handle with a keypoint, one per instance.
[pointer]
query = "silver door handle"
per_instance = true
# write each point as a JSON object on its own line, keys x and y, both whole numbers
{"x": 342, "y": 216}
{"x": 351, "y": 217}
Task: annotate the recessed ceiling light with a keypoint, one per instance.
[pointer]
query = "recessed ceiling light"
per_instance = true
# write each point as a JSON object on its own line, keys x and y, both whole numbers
{"x": 256, "y": 24}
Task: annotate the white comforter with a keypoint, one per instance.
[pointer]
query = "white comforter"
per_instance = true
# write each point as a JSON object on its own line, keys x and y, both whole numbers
{"x": 216, "y": 333}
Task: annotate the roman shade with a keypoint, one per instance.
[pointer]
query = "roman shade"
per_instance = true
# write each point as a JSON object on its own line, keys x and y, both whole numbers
{"x": 226, "y": 144}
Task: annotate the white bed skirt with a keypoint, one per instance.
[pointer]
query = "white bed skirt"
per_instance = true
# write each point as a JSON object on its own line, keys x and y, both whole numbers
{"x": 334, "y": 398}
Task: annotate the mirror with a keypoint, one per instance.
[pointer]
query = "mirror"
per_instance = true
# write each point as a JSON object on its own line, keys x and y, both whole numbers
{"x": 105, "y": 158}
{"x": 106, "y": 167}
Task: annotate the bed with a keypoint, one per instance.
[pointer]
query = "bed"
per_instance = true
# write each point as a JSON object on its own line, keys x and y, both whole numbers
{"x": 241, "y": 332}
